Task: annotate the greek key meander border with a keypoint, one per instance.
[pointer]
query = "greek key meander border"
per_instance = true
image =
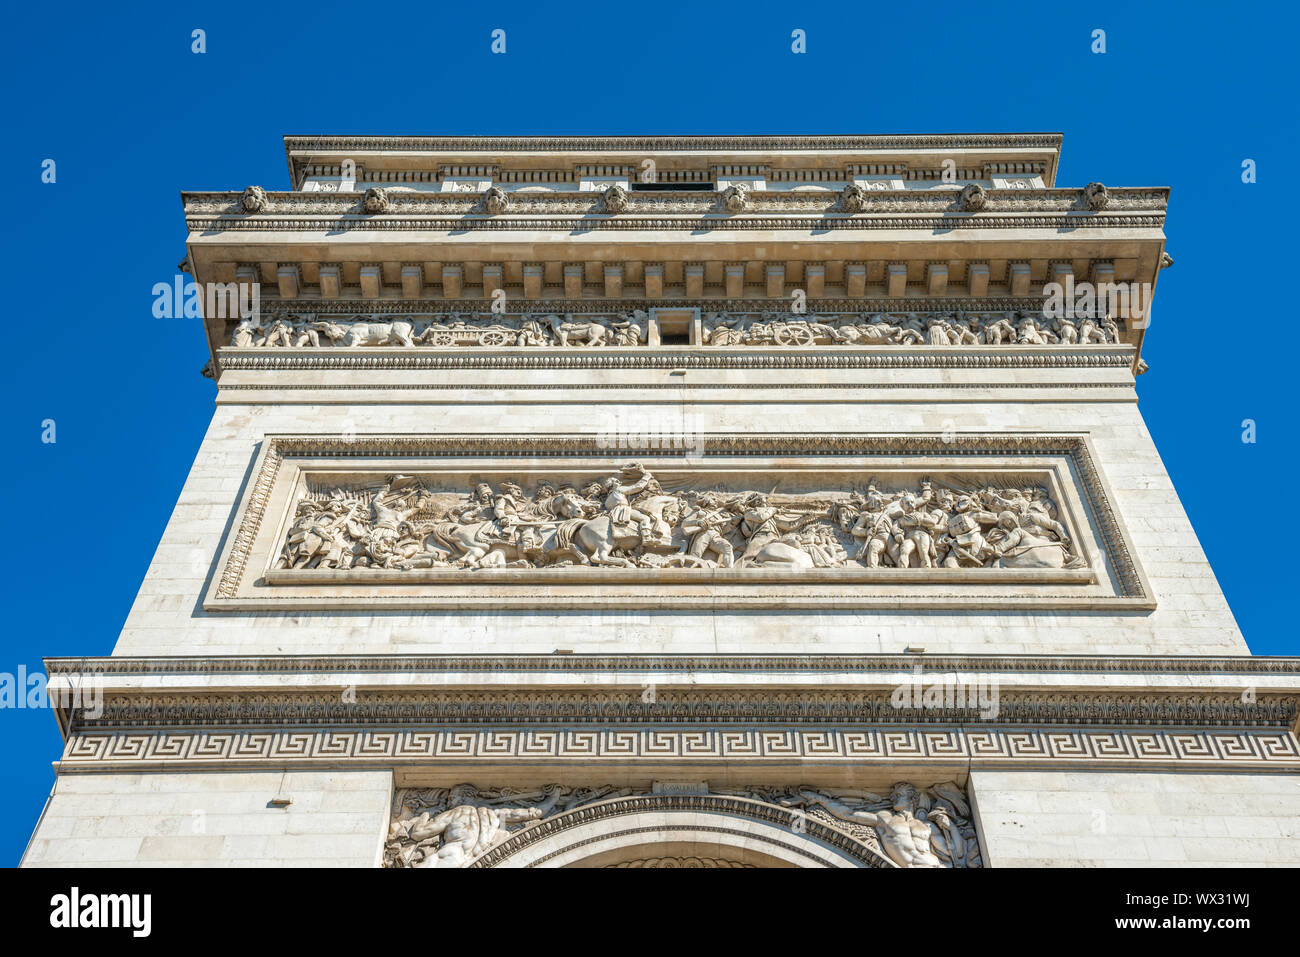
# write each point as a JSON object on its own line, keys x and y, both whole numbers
{"x": 1091, "y": 485}
{"x": 407, "y": 747}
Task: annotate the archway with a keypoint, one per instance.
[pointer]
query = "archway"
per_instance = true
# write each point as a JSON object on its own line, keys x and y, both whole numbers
{"x": 665, "y": 830}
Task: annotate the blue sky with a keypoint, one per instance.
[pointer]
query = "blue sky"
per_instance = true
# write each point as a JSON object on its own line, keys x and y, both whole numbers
{"x": 1183, "y": 94}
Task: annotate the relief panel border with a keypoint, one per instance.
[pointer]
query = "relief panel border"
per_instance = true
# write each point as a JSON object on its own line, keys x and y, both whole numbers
{"x": 233, "y": 589}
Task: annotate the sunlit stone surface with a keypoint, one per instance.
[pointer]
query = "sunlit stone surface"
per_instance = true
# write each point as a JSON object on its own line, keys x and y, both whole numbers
{"x": 676, "y": 502}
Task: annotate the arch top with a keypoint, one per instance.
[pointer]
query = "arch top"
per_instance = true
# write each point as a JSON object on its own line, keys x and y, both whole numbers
{"x": 695, "y": 830}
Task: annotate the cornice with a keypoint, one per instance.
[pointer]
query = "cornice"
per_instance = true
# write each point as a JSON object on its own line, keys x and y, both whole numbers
{"x": 1176, "y": 712}
{"x": 684, "y": 225}
{"x": 794, "y": 705}
{"x": 493, "y": 151}
{"x": 633, "y": 664}
{"x": 905, "y": 357}
{"x": 553, "y": 202}
{"x": 669, "y": 211}
{"x": 882, "y": 141}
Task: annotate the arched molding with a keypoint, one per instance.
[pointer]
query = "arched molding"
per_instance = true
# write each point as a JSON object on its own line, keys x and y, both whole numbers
{"x": 702, "y": 825}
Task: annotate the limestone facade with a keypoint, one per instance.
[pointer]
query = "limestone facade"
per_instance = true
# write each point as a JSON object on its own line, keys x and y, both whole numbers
{"x": 718, "y": 501}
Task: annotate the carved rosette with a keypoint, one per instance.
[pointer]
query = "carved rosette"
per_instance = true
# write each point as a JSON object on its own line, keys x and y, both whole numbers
{"x": 495, "y": 200}
{"x": 376, "y": 200}
{"x": 1096, "y": 196}
{"x": 973, "y": 198}
{"x": 853, "y": 198}
{"x": 735, "y": 199}
{"x": 253, "y": 199}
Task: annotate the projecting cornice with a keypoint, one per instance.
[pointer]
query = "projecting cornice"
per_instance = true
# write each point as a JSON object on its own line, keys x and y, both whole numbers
{"x": 1178, "y": 668}
{"x": 676, "y": 211}
{"x": 393, "y": 221}
{"x": 592, "y": 710}
{"x": 295, "y": 143}
{"x": 411, "y": 154}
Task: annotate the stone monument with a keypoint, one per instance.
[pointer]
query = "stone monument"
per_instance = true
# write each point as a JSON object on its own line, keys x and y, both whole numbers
{"x": 705, "y": 501}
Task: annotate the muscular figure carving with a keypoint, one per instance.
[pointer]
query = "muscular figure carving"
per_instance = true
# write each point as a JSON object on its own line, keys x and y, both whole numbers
{"x": 707, "y": 525}
{"x": 905, "y": 838}
{"x": 618, "y": 501}
{"x": 466, "y": 831}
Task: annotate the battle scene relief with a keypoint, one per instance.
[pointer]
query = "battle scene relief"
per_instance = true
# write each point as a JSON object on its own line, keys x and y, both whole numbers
{"x": 631, "y": 518}
{"x": 294, "y": 330}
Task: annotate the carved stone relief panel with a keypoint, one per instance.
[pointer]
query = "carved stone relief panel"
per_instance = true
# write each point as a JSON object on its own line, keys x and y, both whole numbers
{"x": 464, "y": 825}
{"x": 776, "y": 522}
{"x": 284, "y": 329}
{"x": 633, "y": 518}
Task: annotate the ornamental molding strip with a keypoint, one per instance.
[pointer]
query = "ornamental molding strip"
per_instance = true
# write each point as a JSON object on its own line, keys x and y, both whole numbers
{"x": 959, "y": 701}
{"x": 83, "y": 668}
{"x": 919, "y": 357}
{"x": 286, "y": 328}
{"x": 866, "y": 748}
{"x": 723, "y": 209}
{"x": 255, "y": 202}
{"x": 610, "y": 144}
{"x": 514, "y": 308}
{"x": 681, "y": 863}
{"x": 645, "y": 391}
{"x": 394, "y": 561}
{"x": 214, "y": 225}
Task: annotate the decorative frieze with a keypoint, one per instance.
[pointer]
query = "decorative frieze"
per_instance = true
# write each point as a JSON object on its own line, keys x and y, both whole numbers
{"x": 298, "y": 330}
{"x": 457, "y": 826}
{"x": 862, "y": 747}
{"x": 734, "y": 207}
{"x": 914, "y": 519}
{"x": 630, "y": 520}
{"x": 313, "y": 143}
{"x": 771, "y": 706}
